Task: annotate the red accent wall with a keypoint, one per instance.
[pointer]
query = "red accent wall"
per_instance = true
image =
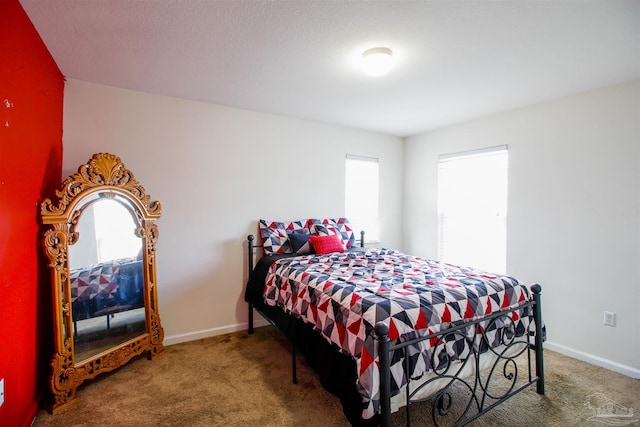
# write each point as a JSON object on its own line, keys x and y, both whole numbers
{"x": 31, "y": 104}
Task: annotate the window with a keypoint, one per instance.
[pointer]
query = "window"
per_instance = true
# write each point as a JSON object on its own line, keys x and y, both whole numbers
{"x": 472, "y": 208}
{"x": 361, "y": 196}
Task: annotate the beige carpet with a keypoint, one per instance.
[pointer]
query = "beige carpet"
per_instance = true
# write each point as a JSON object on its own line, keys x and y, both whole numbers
{"x": 244, "y": 380}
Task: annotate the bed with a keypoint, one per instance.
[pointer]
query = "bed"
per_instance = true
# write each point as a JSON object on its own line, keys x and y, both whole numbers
{"x": 384, "y": 329}
{"x": 106, "y": 288}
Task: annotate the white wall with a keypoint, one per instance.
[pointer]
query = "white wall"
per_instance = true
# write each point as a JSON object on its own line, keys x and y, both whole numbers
{"x": 574, "y": 199}
{"x": 574, "y": 212}
{"x": 217, "y": 171}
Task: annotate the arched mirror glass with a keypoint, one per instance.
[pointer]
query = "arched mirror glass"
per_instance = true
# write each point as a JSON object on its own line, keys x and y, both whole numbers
{"x": 106, "y": 276}
{"x": 101, "y": 247}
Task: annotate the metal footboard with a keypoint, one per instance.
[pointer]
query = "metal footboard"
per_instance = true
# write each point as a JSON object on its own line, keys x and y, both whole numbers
{"x": 487, "y": 386}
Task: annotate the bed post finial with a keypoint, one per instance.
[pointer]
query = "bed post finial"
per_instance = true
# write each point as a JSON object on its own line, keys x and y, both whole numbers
{"x": 382, "y": 330}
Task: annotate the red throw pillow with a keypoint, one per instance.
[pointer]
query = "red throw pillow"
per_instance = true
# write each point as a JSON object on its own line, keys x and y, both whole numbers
{"x": 326, "y": 244}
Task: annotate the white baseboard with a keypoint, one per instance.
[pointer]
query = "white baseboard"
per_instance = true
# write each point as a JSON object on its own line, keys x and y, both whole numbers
{"x": 192, "y": 336}
{"x": 629, "y": 371}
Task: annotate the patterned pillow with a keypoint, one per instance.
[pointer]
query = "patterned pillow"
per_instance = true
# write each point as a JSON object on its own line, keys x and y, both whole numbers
{"x": 301, "y": 226}
{"x": 274, "y": 235}
{"x": 340, "y": 226}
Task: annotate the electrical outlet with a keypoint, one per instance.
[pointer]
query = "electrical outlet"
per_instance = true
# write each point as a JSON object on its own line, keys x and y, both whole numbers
{"x": 609, "y": 318}
{"x": 1, "y": 391}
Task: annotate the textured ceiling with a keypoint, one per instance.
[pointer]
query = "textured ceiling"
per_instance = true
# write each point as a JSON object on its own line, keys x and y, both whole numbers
{"x": 454, "y": 60}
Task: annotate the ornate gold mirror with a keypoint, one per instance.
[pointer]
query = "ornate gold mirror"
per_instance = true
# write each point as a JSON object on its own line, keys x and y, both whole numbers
{"x": 101, "y": 245}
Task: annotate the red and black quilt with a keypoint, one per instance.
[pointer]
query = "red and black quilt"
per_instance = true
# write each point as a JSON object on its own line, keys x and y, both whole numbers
{"x": 343, "y": 295}
{"x": 93, "y": 281}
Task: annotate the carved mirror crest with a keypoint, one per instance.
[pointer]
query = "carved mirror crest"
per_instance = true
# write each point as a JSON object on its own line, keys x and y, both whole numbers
{"x": 101, "y": 245}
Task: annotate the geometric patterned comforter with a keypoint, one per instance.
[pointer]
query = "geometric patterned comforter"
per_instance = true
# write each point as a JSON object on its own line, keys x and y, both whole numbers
{"x": 104, "y": 285}
{"x": 345, "y": 294}
{"x": 96, "y": 280}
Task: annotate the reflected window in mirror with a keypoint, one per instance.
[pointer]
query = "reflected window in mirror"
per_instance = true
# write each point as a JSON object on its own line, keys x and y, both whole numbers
{"x": 115, "y": 231}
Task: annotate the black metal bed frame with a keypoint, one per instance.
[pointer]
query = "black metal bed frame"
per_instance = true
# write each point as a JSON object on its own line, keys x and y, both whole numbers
{"x": 481, "y": 397}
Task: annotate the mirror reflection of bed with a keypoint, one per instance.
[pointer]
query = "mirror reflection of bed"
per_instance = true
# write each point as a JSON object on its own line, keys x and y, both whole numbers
{"x": 106, "y": 277}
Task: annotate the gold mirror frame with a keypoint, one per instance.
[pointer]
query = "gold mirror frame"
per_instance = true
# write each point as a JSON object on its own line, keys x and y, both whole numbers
{"x": 106, "y": 175}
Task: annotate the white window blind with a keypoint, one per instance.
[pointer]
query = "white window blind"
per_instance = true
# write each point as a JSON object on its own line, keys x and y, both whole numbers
{"x": 472, "y": 208}
{"x": 362, "y": 195}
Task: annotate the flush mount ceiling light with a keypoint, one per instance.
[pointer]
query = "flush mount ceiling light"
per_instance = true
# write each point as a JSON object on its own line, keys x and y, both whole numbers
{"x": 377, "y": 61}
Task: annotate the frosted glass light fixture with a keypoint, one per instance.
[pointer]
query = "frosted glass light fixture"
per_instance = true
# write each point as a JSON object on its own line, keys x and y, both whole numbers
{"x": 377, "y": 61}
